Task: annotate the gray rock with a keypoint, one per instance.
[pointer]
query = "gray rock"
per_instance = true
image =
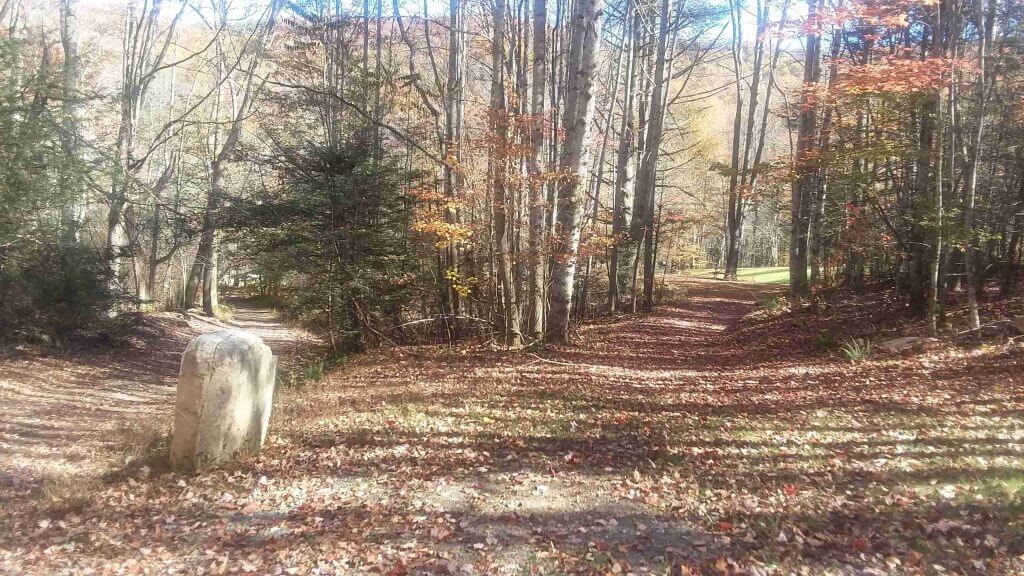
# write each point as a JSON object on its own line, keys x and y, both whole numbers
{"x": 909, "y": 344}
{"x": 1018, "y": 324}
{"x": 225, "y": 392}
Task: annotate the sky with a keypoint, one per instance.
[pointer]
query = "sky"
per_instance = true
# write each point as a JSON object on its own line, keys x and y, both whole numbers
{"x": 248, "y": 7}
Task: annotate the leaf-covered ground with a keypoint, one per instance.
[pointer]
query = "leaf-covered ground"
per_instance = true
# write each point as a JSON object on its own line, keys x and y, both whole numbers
{"x": 694, "y": 440}
{"x": 69, "y": 417}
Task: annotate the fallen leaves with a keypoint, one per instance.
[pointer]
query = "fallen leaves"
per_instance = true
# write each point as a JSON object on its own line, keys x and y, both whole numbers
{"x": 689, "y": 442}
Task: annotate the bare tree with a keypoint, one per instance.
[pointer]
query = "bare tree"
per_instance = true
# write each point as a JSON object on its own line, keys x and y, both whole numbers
{"x": 244, "y": 98}
{"x": 142, "y": 58}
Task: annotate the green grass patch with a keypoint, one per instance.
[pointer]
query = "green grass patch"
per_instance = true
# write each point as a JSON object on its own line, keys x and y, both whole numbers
{"x": 774, "y": 275}
{"x": 770, "y": 275}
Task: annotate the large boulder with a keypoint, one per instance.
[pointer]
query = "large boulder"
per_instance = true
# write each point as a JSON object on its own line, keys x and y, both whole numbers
{"x": 225, "y": 392}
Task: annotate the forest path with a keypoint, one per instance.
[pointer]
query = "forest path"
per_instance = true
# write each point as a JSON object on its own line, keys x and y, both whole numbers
{"x": 68, "y": 419}
{"x": 291, "y": 344}
{"x": 700, "y": 439}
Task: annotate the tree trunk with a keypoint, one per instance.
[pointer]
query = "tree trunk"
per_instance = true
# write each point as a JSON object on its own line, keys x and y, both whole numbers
{"x": 938, "y": 130}
{"x": 70, "y": 188}
{"x": 642, "y": 225}
{"x": 598, "y": 180}
{"x": 816, "y": 243}
{"x": 579, "y": 110}
{"x": 733, "y": 224}
{"x": 805, "y": 165}
{"x": 622, "y": 204}
{"x": 970, "y": 266}
{"x": 500, "y": 154}
{"x": 535, "y": 241}
{"x": 205, "y": 264}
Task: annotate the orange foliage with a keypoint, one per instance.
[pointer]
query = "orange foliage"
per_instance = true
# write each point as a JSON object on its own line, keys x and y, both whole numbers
{"x": 893, "y": 75}
{"x": 432, "y": 217}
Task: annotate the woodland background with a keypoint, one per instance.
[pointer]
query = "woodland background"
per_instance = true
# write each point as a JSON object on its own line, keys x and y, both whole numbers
{"x": 404, "y": 172}
{"x": 515, "y": 187}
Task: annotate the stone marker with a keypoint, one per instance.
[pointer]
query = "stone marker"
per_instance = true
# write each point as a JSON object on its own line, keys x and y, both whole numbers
{"x": 225, "y": 391}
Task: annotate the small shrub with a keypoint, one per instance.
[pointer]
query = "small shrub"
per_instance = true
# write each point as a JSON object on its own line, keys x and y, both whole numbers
{"x": 151, "y": 306}
{"x": 313, "y": 371}
{"x": 663, "y": 292}
{"x": 856, "y": 349}
{"x": 224, "y": 312}
{"x": 56, "y": 291}
{"x": 143, "y": 450}
{"x": 772, "y": 303}
{"x": 138, "y": 441}
{"x": 826, "y": 340}
{"x": 309, "y": 373}
{"x": 535, "y": 346}
{"x": 68, "y": 493}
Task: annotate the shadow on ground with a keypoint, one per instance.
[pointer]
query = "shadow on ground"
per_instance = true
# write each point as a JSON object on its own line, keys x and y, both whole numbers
{"x": 691, "y": 439}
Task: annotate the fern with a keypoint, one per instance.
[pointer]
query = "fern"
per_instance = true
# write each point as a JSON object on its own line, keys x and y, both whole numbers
{"x": 856, "y": 349}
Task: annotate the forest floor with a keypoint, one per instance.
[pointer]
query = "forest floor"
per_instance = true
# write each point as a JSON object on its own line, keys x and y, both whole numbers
{"x": 709, "y": 437}
{"x": 70, "y": 418}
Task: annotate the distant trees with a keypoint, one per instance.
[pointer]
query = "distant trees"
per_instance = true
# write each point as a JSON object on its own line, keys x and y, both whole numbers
{"x": 519, "y": 191}
{"x": 212, "y": 120}
{"x": 850, "y": 141}
{"x": 894, "y": 133}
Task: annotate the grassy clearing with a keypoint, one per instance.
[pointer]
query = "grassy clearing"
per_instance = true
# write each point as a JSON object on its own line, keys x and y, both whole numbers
{"x": 774, "y": 275}
{"x": 770, "y": 275}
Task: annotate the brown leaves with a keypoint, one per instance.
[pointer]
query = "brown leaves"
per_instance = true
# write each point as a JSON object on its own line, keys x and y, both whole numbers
{"x": 688, "y": 441}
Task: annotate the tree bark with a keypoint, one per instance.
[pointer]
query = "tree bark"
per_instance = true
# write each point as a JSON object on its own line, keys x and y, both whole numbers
{"x": 936, "y": 136}
{"x": 535, "y": 241}
{"x": 502, "y": 207}
{"x": 642, "y": 224}
{"x": 970, "y": 266}
{"x": 622, "y": 204}
{"x": 805, "y": 165}
{"x": 452, "y": 164}
{"x": 70, "y": 187}
{"x": 734, "y": 224}
{"x": 579, "y": 111}
{"x": 816, "y": 244}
